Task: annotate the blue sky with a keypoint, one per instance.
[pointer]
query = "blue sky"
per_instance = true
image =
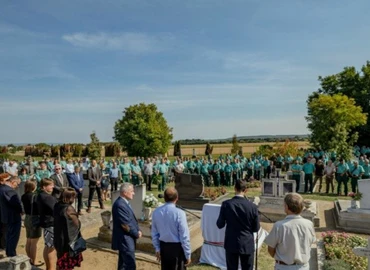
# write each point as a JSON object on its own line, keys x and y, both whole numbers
{"x": 213, "y": 67}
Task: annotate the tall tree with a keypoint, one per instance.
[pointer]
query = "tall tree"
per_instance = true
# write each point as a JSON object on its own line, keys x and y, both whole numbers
{"x": 143, "y": 131}
{"x": 354, "y": 84}
{"x": 331, "y": 120}
{"x": 94, "y": 147}
{"x": 235, "y": 145}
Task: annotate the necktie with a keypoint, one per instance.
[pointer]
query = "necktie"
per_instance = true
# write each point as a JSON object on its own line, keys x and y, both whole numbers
{"x": 60, "y": 179}
{"x": 78, "y": 177}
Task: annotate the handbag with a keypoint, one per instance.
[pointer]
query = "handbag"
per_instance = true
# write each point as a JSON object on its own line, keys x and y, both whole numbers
{"x": 35, "y": 219}
{"x": 77, "y": 246}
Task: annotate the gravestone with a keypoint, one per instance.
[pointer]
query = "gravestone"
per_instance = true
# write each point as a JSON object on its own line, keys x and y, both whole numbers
{"x": 269, "y": 188}
{"x": 364, "y": 252}
{"x": 364, "y": 188}
{"x": 354, "y": 219}
{"x": 286, "y": 186}
{"x": 137, "y": 201}
{"x": 19, "y": 262}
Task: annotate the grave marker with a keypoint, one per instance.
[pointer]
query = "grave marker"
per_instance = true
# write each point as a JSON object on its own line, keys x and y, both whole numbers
{"x": 364, "y": 252}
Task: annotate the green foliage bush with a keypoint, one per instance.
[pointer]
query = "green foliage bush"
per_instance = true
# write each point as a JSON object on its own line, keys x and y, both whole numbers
{"x": 336, "y": 265}
{"x": 338, "y": 246}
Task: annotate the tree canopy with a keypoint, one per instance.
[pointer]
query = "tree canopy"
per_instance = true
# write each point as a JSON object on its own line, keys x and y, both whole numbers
{"x": 94, "y": 147}
{"x": 332, "y": 119}
{"x": 143, "y": 131}
{"x": 354, "y": 84}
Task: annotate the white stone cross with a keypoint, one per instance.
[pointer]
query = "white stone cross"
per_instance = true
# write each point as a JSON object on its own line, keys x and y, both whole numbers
{"x": 364, "y": 252}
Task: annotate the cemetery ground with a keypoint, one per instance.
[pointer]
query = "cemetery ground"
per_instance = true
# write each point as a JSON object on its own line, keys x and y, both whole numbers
{"x": 101, "y": 257}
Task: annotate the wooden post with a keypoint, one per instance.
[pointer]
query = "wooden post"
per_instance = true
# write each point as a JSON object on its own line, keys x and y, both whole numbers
{"x": 364, "y": 252}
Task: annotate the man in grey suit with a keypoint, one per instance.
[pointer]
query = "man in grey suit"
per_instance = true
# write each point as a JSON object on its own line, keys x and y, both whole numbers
{"x": 60, "y": 181}
{"x": 94, "y": 176}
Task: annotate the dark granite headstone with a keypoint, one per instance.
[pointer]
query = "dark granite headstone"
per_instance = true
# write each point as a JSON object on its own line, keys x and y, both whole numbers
{"x": 268, "y": 189}
{"x": 287, "y": 188}
{"x": 190, "y": 188}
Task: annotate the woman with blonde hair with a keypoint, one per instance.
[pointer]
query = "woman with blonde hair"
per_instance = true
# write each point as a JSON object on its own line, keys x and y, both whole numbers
{"x": 32, "y": 220}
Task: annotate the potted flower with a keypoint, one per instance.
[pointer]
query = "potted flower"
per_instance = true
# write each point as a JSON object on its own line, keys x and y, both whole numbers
{"x": 355, "y": 197}
{"x": 149, "y": 202}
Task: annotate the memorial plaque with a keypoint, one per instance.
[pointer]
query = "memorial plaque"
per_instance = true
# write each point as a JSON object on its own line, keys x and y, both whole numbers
{"x": 287, "y": 188}
{"x": 268, "y": 188}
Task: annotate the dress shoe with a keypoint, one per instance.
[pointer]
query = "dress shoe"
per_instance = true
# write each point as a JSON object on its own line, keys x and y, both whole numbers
{"x": 102, "y": 207}
{"x": 88, "y": 210}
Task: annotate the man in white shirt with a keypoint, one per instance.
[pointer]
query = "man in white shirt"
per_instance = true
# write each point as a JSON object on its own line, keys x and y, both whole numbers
{"x": 148, "y": 173}
{"x": 290, "y": 240}
{"x": 12, "y": 168}
{"x": 70, "y": 168}
{"x": 329, "y": 173}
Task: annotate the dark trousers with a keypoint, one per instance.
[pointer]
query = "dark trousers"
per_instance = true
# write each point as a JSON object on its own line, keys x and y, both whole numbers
{"x": 297, "y": 178}
{"x": 91, "y": 195}
{"x": 308, "y": 180}
{"x": 126, "y": 260}
{"x": 354, "y": 183}
{"x": 223, "y": 179}
{"x": 3, "y": 235}
{"x": 246, "y": 261}
{"x": 113, "y": 184}
{"x": 79, "y": 201}
{"x": 12, "y": 238}
{"x": 342, "y": 179}
{"x": 172, "y": 256}
{"x": 148, "y": 181}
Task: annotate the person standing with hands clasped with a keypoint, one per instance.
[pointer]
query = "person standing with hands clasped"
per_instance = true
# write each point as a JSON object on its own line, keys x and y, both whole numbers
{"x": 170, "y": 234}
{"x": 241, "y": 219}
{"x": 125, "y": 228}
{"x": 290, "y": 240}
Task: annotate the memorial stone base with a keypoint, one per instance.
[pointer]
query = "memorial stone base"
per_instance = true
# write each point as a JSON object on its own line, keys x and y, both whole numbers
{"x": 351, "y": 220}
{"x": 273, "y": 208}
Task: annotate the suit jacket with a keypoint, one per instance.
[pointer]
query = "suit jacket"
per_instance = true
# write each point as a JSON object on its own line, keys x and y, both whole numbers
{"x": 58, "y": 186}
{"x": 241, "y": 219}
{"x": 124, "y": 240}
{"x": 11, "y": 206}
{"x": 75, "y": 182}
{"x": 93, "y": 177}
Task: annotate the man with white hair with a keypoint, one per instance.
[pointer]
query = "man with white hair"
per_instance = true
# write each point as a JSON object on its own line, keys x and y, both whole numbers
{"x": 60, "y": 181}
{"x": 12, "y": 168}
{"x": 125, "y": 228}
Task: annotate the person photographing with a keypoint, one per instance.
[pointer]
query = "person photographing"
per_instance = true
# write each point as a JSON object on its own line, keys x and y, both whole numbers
{"x": 170, "y": 234}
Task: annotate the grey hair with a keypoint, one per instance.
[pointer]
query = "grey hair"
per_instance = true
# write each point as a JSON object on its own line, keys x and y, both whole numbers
{"x": 125, "y": 187}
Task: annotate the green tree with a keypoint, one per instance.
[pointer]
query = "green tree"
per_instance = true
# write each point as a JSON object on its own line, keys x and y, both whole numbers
{"x": 235, "y": 145}
{"x": 354, "y": 84}
{"x": 94, "y": 147}
{"x": 143, "y": 131}
{"x": 79, "y": 150}
{"x": 332, "y": 120}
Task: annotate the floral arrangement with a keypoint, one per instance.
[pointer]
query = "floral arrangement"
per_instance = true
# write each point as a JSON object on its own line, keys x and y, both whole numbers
{"x": 254, "y": 184}
{"x": 355, "y": 196}
{"x": 214, "y": 192}
{"x": 338, "y": 247}
{"x": 150, "y": 201}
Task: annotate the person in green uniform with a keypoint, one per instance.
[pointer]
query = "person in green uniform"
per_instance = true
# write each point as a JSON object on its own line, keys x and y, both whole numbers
{"x": 250, "y": 167}
{"x": 222, "y": 172}
{"x": 216, "y": 173}
{"x": 24, "y": 176}
{"x": 43, "y": 172}
{"x": 162, "y": 171}
{"x": 308, "y": 169}
{"x": 342, "y": 178}
{"x": 190, "y": 166}
{"x": 366, "y": 167}
{"x": 236, "y": 169}
{"x": 136, "y": 173}
{"x": 125, "y": 169}
{"x": 204, "y": 173}
{"x": 356, "y": 173}
{"x": 257, "y": 169}
{"x": 228, "y": 173}
{"x": 296, "y": 170}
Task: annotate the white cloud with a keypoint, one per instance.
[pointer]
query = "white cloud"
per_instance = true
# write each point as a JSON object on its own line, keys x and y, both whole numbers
{"x": 127, "y": 41}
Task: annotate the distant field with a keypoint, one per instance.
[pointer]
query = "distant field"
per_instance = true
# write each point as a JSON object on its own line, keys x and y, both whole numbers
{"x": 187, "y": 150}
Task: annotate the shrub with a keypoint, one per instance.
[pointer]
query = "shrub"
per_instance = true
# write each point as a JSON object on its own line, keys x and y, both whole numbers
{"x": 214, "y": 192}
{"x": 338, "y": 246}
{"x": 336, "y": 265}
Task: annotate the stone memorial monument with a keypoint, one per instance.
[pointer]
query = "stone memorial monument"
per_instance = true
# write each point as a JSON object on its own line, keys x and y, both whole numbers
{"x": 271, "y": 202}
{"x": 364, "y": 252}
{"x": 354, "y": 219}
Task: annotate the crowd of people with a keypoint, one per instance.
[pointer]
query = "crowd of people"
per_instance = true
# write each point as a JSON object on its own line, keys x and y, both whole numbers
{"x": 47, "y": 212}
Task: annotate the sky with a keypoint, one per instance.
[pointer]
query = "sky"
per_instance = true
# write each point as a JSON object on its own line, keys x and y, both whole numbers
{"x": 213, "y": 67}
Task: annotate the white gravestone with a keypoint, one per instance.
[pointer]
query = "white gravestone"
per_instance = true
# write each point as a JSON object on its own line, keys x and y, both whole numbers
{"x": 364, "y": 252}
{"x": 364, "y": 188}
{"x": 137, "y": 201}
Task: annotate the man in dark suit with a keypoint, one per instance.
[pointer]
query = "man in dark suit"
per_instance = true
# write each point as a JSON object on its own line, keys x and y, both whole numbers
{"x": 76, "y": 181}
{"x": 94, "y": 175}
{"x": 125, "y": 228}
{"x": 241, "y": 219}
{"x": 11, "y": 212}
{"x": 60, "y": 181}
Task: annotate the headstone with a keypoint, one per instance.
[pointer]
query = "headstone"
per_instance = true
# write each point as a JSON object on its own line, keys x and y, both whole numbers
{"x": 286, "y": 186}
{"x": 19, "y": 262}
{"x": 269, "y": 188}
{"x": 364, "y": 252}
{"x": 137, "y": 201}
{"x": 364, "y": 188}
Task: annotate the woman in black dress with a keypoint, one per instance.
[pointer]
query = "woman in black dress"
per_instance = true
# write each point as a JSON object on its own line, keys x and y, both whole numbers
{"x": 67, "y": 226}
{"x": 33, "y": 230}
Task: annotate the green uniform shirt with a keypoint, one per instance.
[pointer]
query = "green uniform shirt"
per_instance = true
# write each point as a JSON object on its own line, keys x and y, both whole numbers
{"x": 308, "y": 168}
{"x": 296, "y": 167}
{"x": 162, "y": 168}
{"x": 125, "y": 168}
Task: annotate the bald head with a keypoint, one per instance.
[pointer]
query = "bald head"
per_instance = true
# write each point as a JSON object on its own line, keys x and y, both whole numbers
{"x": 171, "y": 195}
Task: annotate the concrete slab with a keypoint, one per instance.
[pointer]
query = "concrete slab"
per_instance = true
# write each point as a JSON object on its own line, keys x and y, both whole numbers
{"x": 351, "y": 220}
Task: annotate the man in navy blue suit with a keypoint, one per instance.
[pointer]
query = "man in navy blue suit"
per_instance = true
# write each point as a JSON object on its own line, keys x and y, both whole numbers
{"x": 11, "y": 212}
{"x": 241, "y": 219}
{"x": 125, "y": 228}
{"x": 76, "y": 181}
